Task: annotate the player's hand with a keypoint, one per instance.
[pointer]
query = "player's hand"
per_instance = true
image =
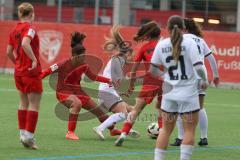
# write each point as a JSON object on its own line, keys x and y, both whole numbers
{"x": 203, "y": 84}
{"x": 34, "y": 65}
{"x": 216, "y": 81}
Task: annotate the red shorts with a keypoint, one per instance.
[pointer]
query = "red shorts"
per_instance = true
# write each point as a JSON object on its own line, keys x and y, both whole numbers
{"x": 27, "y": 84}
{"x": 64, "y": 96}
{"x": 151, "y": 87}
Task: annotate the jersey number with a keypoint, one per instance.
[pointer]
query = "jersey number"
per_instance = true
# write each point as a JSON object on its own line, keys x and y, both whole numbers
{"x": 175, "y": 67}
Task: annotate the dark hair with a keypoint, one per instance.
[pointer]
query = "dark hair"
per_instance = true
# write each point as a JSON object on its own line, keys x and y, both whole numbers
{"x": 175, "y": 26}
{"x": 77, "y": 43}
{"x": 193, "y": 27}
{"x": 148, "y": 31}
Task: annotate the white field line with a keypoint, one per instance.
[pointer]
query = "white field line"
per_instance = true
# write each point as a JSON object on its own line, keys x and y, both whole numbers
{"x": 53, "y": 93}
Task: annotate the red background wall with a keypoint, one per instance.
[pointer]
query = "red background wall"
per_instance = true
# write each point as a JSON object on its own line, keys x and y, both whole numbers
{"x": 225, "y": 44}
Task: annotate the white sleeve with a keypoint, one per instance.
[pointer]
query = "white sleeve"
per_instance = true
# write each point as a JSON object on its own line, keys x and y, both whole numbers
{"x": 54, "y": 67}
{"x": 156, "y": 57}
{"x": 31, "y": 33}
{"x": 194, "y": 53}
{"x": 206, "y": 50}
{"x": 213, "y": 65}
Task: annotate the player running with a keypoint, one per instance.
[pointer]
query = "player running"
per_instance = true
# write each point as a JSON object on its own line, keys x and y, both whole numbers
{"x": 108, "y": 96}
{"x": 149, "y": 32}
{"x": 69, "y": 91}
{"x": 181, "y": 58}
{"x": 193, "y": 31}
{"x": 23, "y": 51}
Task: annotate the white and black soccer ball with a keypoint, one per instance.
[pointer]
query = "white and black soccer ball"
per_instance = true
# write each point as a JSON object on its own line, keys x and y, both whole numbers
{"x": 153, "y": 130}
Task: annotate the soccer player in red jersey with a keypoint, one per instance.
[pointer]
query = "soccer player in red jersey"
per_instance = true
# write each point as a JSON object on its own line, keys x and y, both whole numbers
{"x": 69, "y": 91}
{"x": 23, "y": 51}
{"x": 149, "y": 32}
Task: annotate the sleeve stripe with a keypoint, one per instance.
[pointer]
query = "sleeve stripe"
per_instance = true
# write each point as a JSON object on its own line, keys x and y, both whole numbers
{"x": 208, "y": 54}
{"x": 198, "y": 63}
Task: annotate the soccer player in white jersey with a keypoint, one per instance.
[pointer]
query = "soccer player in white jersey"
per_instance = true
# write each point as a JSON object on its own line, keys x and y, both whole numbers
{"x": 180, "y": 57}
{"x": 193, "y": 31}
{"x": 109, "y": 98}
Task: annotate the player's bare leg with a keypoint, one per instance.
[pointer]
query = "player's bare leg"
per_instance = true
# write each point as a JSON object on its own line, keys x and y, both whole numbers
{"x": 169, "y": 121}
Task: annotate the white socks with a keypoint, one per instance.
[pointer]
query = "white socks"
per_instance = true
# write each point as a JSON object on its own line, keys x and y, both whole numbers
{"x": 159, "y": 154}
{"x": 180, "y": 128}
{"x": 29, "y": 134}
{"x": 22, "y": 133}
{"x": 186, "y": 152}
{"x": 203, "y": 123}
{"x": 114, "y": 118}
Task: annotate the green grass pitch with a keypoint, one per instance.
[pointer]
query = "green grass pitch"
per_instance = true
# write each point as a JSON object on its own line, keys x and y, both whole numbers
{"x": 223, "y": 108}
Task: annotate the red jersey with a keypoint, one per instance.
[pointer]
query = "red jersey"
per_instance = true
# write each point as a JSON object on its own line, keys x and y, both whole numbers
{"x": 69, "y": 76}
{"x": 23, "y": 62}
{"x": 146, "y": 52}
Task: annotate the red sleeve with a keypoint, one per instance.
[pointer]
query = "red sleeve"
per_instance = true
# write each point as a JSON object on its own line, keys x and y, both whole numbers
{"x": 50, "y": 70}
{"x": 95, "y": 77}
{"x": 29, "y": 32}
{"x": 139, "y": 56}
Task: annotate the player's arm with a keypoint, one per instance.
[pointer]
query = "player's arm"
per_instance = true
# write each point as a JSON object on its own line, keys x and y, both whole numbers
{"x": 27, "y": 47}
{"x": 214, "y": 68}
{"x": 133, "y": 76}
{"x": 50, "y": 70}
{"x": 198, "y": 65}
{"x": 95, "y": 77}
{"x": 10, "y": 53}
{"x": 156, "y": 63}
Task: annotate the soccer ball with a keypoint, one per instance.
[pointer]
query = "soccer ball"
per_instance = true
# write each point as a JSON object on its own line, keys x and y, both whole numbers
{"x": 153, "y": 130}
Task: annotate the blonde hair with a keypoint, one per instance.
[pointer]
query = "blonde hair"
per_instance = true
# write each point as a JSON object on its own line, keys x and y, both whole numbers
{"x": 25, "y": 9}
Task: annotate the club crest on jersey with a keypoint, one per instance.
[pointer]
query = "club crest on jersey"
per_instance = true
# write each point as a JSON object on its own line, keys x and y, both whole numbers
{"x": 50, "y": 44}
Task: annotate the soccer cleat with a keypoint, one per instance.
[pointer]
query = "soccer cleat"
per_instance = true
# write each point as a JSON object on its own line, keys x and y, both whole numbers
{"x": 22, "y": 140}
{"x": 71, "y": 136}
{"x": 120, "y": 139}
{"x": 99, "y": 133}
{"x": 134, "y": 134}
{"x": 115, "y": 132}
{"x": 29, "y": 143}
{"x": 203, "y": 142}
{"x": 177, "y": 142}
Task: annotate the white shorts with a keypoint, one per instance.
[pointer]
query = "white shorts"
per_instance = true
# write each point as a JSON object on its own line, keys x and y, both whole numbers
{"x": 181, "y": 107}
{"x": 109, "y": 97}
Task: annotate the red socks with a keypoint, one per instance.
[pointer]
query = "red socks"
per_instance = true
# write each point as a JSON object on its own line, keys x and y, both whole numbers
{"x": 127, "y": 127}
{"x": 72, "y": 122}
{"x": 160, "y": 122}
{"x": 31, "y": 121}
{"x": 22, "y": 115}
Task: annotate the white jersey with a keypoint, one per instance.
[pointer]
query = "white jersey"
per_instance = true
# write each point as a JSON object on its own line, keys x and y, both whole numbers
{"x": 180, "y": 76}
{"x": 113, "y": 71}
{"x": 203, "y": 48}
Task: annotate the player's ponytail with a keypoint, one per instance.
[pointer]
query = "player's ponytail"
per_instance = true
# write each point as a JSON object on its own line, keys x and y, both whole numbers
{"x": 77, "y": 43}
{"x": 193, "y": 27}
{"x": 115, "y": 42}
{"x": 24, "y": 10}
{"x": 175, "y": 26}
{"x": 148, "y": 31}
